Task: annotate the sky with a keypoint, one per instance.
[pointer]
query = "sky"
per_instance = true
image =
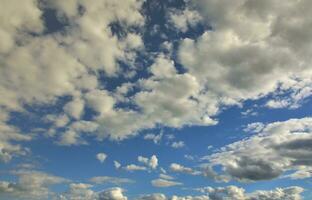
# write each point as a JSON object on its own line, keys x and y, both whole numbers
{"x": 155, "y": 100}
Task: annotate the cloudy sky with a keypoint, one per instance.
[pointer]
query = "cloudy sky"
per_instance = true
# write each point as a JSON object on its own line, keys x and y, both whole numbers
{"x": 155, "y": 100}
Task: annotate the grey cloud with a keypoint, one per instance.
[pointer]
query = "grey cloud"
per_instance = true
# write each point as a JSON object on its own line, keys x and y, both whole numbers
{"x": 280, "y": 147}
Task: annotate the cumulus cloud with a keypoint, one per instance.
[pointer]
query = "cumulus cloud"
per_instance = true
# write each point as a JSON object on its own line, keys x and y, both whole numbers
{"x": 81, "y": 191}
{"x": 252, "y": 49}
{"x": 110, "y": 180}
{"x": 278, "y": 148}
{"x": 156, "y": 138}
{"x": 101, "y": 157}
{"x": 233, "y": 193}
{"x": 8, "y": 135}
{"x": 117, "y": 165}
{"x": 112, "y": 194}
{"x": 156, "y": 196}
{"x": 60, "y": 62}
{"x": 152, "y": 162}
{"x": 164, "y": 183}
{"x": 184, "y": 19}
{"x": 78, "y": 191}
{"x": 182, "y": 169}
{"x": 30, "y": 185}
{"x": 236, "y": 193}
{"x": 178, "y": 144}
{"x": 133, "y": 167}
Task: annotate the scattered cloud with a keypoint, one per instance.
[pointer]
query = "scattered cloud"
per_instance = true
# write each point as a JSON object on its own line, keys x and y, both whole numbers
{"x": 164, "y": 183}
{"x": 152, "y": 162}
{"x": 279, "y": 147}
{"x": 133, "y": 167}
{"x": 177, "y": 145}
{"x": 110, "y": 180}
{"x": 101, "y": 157}
{"x": 182, "y": 169}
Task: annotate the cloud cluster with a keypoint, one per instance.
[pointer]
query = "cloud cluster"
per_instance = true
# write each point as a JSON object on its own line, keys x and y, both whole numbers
{"x": 30, "y": 185}
{"x": 278, "y": 148}
{"x": 182, "y": 169}
{"x": 234, "y": 193}
{"x": 253, "y": 49}
{"x": 36, "y": 185}
{"x": 80, "y": 191}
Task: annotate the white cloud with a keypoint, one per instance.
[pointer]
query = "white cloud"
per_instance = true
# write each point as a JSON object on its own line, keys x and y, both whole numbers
{"x": 155, "y": 138}
{"x": 165, "y": 176}
{"x": 252, "y": 50}
{"x": 81, "y": 191}
{"x": 42, "y": 67}
{"x": 182, "y": 169}
{"x": 78, "y": 191}
{"x": 9, "y": 135}
{"x": 156, "y": 196}
{"x": 178, "y": 144}
{"x": 133, "y": 167}
{"x": 110, "y": 180}
{"x": 74, "y": 108}
{"x": 30, "y": 185}
{"x": 182, "y": 20}
{"x": 255, "y": 127}
{"x": 152, "y": 162}
{"x": 280, "y": 147}
{"x": 233, "y": 193}
{"x": 101, "y": 157}
{"x": 112, "y": 194}
{"x": 117, "y": 165}
{"x": 164, "y": 183}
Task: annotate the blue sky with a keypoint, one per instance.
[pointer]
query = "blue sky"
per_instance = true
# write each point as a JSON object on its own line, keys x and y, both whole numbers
{"x": 155, "y": 100}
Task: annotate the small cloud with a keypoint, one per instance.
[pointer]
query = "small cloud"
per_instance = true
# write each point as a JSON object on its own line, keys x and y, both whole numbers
{"x": 110, "y": 180}
{"x": 155, "y": 138}
{"x": 101, "y": 157}
{"x": 165, "y": 176}
{"x": 178, "y": 144}
{"x": 117, "y": 164}
{"x": 133, "y": 167}
{"x": 152, "y": 162}
{"x": 164, "y": 183}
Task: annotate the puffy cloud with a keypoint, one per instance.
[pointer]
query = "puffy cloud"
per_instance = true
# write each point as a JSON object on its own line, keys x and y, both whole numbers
{"x": 74, "y": 108}
{"x": 101, "y": 157}
{"x": 30, "y": 185}
{"x": 133, "y": 167}
{"x": 234, "y": 193}
{"x": 152, "y": 162}
{"x": 156, "y": 196}
{"x": 112, "y": 194}
{"x": 182, "y": 169}
{"x": 252, "y": 49}
{"x": 109, "y": 179}
{"x": 280, "y": 147}
{"x": 184, "y": 19}
{"x": 178, "y": 144}
{"x": 41, "y": 66}
{"x": 156, "y": 138}
{"x": 164, "y": 183}
{"x": 117, "y": 164}
{"x": 81, "y": 191}
{"x": 165, "y": 176}
{"x": 78, "y": 191}
{"x": 9, "y": 135}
